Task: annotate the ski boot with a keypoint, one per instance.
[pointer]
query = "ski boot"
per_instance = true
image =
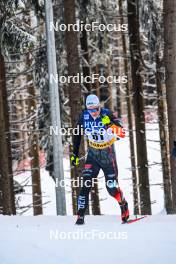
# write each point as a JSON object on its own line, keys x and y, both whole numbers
{"x": 80, "y": 220}
{"x": 124, "y": 211}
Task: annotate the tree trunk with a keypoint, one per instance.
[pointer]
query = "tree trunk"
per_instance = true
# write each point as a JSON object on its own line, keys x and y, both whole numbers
{"x": 130, "y": 119}
{"x": 138, "y": 101}
{"x": 105, "y": 88}
{"x": 34, "y": 148}
{"x": 74, "y": 88}
{"x": 6, "y": 176}
{"x": 162, "y": 116}
{"x": 109, "y": 73}
{"x": 33, "y": 136}
{"x": 95, "y": 203}
{"x": 170, "y": 65}
{"x": 97, "y": 86}
{"x": 85, "y": 55}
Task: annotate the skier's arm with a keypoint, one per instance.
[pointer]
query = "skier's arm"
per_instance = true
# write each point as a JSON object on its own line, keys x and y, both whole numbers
{"x": 115, "y": 120}
{"x": 115, "y": 124}
{"x": 109, "y": 118}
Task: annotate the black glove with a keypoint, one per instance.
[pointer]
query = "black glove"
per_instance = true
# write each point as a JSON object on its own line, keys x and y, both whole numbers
{"x": 74, "y": 160}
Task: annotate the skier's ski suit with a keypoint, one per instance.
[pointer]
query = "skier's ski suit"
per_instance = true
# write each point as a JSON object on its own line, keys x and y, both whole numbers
{"x": 101, "y": 155}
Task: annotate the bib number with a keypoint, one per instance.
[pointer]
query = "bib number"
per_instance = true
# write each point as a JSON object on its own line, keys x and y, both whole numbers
{"x": 97, "y": 137}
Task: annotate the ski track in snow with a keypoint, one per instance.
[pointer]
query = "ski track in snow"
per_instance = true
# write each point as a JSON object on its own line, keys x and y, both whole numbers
{"x": 28, "y": 240}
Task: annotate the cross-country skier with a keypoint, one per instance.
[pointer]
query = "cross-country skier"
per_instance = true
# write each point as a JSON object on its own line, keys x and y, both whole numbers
{"x": 101, "y": 128}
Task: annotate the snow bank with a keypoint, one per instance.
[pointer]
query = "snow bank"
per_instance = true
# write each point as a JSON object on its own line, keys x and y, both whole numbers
{"x": 56, "y": 240}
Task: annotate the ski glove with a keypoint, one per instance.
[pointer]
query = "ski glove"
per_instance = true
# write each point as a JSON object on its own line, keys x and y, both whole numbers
{"x": 74, "y": 160}
{"x": 174, "y": 150}
{"x": 106, "y": 120}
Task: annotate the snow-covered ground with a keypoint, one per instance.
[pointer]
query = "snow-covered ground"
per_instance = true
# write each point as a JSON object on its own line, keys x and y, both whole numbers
{"x": 56, "y": 240}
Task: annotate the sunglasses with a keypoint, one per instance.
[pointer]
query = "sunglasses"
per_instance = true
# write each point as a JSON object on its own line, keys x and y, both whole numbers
{"x": 94, "y": 110}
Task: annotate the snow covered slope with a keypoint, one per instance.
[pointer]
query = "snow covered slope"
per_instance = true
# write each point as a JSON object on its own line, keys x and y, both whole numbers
{"x": 56, "y": 240}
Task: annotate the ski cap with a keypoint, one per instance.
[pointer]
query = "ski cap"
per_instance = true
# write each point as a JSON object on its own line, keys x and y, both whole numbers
{"x": 92, "y": 101}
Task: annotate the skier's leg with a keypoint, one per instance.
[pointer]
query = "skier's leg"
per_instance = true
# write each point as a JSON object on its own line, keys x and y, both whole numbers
{"x": 91, "y": 170}
{"x": 116, "y": 192}
{"x": 111, "y": 177}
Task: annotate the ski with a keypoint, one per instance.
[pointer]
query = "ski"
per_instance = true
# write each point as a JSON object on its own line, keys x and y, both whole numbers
{"x": 130, "y": 221}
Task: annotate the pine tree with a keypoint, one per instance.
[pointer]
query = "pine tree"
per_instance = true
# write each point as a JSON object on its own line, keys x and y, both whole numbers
{"x": 8, "y": 199}
{"x": 75, "y": 97}
{"x": 170, "y": 66}
{"x": 130, "y": 116}
{"x": 138, "y": 102}
{"x": 162, "y": 116}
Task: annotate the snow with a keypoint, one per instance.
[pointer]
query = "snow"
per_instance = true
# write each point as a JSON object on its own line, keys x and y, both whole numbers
{"x": 52, "y": 239}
